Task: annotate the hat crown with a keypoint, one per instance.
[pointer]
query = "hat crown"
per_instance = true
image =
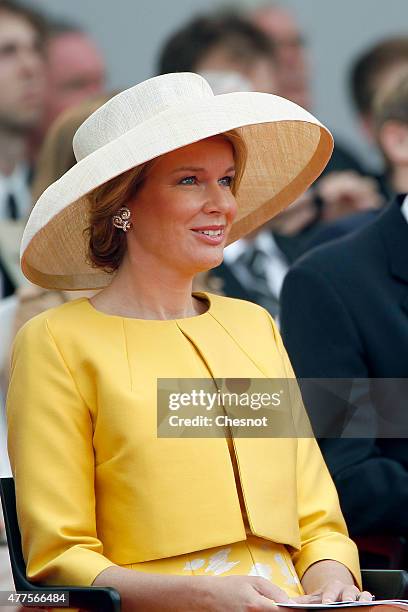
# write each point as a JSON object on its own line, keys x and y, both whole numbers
{"x": 135, "y": 106}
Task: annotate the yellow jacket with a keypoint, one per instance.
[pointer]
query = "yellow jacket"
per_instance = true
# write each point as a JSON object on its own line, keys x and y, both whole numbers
{"x": 96, "y": 487}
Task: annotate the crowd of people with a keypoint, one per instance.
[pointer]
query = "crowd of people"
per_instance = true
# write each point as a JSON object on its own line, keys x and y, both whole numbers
{"x": 332, "y": 269}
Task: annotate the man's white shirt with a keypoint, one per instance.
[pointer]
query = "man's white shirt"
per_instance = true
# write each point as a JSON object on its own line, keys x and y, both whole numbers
{"x": 17, "y": 185}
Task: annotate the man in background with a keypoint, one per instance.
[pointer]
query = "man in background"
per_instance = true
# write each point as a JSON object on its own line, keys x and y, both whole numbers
{"x": 292, "y": 58}
{"x": 293, "y": 70}
{"x": 221, "y": 43}
{"x": 22, "y": 94}
{"x": 345, "y": 316}
{"x": 75, "y": 70}
{"x": 372, "y": 71}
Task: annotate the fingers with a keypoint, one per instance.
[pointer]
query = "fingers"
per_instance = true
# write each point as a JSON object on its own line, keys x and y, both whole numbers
{"x": 311, "y": 598}
{"x": 271, "y": 591}
{"x": 333, "y": 591}
{"x": 350, "y": 593}
{"x": 365, "y": 596}
{"x": 336, "y": 591}
{"x": 263, "y": 604}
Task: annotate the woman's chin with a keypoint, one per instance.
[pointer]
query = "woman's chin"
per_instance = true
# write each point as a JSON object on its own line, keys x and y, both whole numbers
{"x": 208, "y": 263}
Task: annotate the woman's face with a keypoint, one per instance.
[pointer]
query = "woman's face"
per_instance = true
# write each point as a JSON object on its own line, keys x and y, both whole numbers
{"x": 183, "y": 212}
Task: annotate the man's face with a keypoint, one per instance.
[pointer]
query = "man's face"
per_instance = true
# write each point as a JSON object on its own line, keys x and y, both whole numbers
{"x": 384, "y": 81}
{"x": 291, "y": 55}
{"x": 260, "y": 71}
{"x": 22, "y": 78}
{"x": 75, "y": 72}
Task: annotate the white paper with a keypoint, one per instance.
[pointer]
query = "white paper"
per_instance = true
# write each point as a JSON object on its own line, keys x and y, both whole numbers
{"x": 345, "y": 604}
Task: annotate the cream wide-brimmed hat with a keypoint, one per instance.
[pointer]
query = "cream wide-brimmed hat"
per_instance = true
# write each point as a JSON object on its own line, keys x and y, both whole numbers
{"x": 287, "y": 150}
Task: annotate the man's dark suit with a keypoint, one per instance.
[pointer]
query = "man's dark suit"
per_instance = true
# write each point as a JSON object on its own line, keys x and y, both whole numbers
{"x": 233, "y": 287}
{"x": 344, "y": 313}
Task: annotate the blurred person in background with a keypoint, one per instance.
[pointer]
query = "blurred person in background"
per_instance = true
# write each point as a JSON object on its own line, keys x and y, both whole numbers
{"x": 74, "y": 72}
{"x": 371, "y": 72}
{"x": 56, "y": 157}
{"x": 221, "y": 43}
{"x": 22, "y": 91}
{"x": 345, "y": 315}
{"x": 293, "y": 62}
{"x": 345, "y": 188}
{"x": 75, "y": 69}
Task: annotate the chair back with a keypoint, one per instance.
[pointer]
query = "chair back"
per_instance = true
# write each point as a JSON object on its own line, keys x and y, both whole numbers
{"x": 8, "y": 502}
{"x": 94, "y": 599}
{"x": 386, "y": 584}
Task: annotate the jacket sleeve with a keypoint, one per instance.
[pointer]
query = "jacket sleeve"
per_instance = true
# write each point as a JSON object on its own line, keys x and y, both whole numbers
{"x": 51, "y": 454}
{"x": 323, "y": 532}
{"x": 322, "y": 341}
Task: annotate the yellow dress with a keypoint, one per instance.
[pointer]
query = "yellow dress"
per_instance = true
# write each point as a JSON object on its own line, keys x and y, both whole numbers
{"x": 96, "y": 486}
{"x": 252, "y": 557}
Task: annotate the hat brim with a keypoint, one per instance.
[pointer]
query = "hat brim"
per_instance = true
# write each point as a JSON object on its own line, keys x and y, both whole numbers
{"x": 287, "y": 150}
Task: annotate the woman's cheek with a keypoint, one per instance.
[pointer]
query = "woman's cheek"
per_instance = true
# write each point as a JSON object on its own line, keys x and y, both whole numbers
{"x": 234, "y": 209}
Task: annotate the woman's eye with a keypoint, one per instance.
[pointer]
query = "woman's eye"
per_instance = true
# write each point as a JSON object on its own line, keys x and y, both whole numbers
{"x": 226, "y": 181}
{"x": 188, "y": 180}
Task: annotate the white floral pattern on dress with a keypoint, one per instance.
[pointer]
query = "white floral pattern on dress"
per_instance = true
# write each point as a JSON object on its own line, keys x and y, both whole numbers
{"x": 253, "y": 558}
{"x": 261, "y": 569}
{"x": 290, "y": 578}
{"x": 218, "y": 563}
{"x": 194, "y": 564}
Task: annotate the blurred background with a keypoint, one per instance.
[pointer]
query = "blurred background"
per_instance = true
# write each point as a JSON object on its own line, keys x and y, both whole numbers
{"x": 131, "y": 33}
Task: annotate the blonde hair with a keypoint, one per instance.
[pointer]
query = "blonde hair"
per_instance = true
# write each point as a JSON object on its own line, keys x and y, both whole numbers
{"x": 107, "y": 244}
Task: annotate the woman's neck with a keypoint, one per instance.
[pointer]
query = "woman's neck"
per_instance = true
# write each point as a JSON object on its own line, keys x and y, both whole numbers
{"x": 144, "y": 294}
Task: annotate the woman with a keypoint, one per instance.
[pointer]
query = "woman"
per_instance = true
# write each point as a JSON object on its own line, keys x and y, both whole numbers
{"x": 185, "y": 524}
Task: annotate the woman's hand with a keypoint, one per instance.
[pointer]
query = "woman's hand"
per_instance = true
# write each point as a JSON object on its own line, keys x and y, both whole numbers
{"x": 328, "y": 581}
{"x": 167, "y": 593}
{"x": 335, "y": 590}
{"x": 239, "y": 594}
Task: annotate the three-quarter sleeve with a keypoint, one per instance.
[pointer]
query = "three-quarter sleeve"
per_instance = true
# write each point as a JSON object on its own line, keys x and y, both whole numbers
{"x": 323, "y": 531}
{"x": 50, "y": 437}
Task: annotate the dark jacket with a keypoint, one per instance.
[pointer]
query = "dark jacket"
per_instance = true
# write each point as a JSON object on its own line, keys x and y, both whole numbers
{"x": 344, "y": 314}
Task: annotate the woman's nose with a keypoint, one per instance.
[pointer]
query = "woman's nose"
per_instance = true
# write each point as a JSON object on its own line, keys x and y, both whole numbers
{"x": 219, "y": 199}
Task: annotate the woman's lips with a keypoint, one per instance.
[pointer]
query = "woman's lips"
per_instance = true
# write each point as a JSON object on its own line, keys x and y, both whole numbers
{"x": 211, "y": 234}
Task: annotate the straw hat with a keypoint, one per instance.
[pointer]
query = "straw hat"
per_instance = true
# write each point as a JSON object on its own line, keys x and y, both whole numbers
{"x": 287, "y": 150}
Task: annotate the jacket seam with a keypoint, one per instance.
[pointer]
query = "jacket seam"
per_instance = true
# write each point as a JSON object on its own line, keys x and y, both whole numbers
{"x": 67, "y": 367}
{"x": 125, "y": 342}
{"x": 240, "y": 346}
